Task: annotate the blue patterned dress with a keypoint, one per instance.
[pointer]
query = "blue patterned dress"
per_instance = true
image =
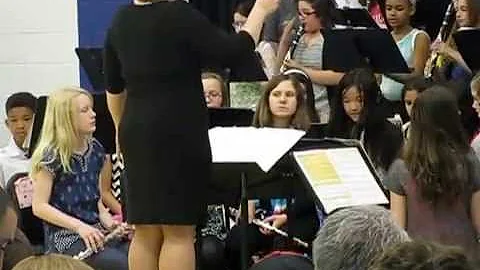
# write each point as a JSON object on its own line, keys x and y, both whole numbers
{"x": 74, "y": 193}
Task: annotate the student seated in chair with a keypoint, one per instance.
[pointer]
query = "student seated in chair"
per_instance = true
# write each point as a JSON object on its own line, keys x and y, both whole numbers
{"x": 282, "y": 105}
{"x": 20, "y": 108}
{"x": 66, "y": 166}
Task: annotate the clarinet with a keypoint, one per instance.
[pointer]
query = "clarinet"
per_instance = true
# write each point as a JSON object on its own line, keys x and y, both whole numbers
{"x": 82, "y": 255}
{"x": 293, "y": 46}
{"x": 435, "y": 59}
{"x": 259, "y": 223}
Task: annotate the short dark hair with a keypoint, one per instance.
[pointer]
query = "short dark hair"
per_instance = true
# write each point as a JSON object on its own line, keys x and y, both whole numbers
{"x": 423, "y": 256}
{"x": 21, "y": 99}
{"x": 418, "y": 84}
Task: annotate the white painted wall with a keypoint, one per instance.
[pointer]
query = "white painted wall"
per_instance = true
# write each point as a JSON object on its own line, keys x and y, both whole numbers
{"x": 37, "y": 41}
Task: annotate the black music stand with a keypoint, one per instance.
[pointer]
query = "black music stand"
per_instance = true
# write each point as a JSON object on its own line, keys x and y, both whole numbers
{"x": 354, "y": 17}
{"x": 327, "y": 143}
{"x": 467, "y": 43}
{"x": 351, "y": 48}
{"x": 226, "y": 176}
{"x": 229, "y": 117}
{"x": 91, "y": 59}
{"x": 37, "y": 123}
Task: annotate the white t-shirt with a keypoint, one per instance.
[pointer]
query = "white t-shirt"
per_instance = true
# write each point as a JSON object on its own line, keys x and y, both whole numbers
{"x": 12, "y": 160}
{"x": 348, "y": 4}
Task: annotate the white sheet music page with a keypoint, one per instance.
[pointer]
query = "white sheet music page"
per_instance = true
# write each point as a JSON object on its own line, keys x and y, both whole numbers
{"x": 340, "y": 177}
{"x": 264, "y": 146}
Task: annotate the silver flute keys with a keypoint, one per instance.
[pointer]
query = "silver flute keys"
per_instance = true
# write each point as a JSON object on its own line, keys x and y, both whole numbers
{"x": 82, "y": 255}
{"x": 267, "y": 226}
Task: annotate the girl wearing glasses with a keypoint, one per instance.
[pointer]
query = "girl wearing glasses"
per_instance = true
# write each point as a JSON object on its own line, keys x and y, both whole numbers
{"x": 308, "y": 56}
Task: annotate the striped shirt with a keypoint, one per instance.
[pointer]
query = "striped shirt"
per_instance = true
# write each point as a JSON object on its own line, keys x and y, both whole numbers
{"x": 311, "y": 56}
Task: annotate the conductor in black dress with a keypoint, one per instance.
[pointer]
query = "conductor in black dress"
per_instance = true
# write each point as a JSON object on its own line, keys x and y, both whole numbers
{"x": 153, "y": 58}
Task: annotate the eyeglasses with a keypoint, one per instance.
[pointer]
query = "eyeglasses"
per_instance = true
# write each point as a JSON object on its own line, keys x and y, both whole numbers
{"x": 303, "y": 13}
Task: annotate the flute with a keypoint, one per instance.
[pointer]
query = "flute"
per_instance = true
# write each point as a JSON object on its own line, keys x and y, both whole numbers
{"x": 267, "y": 226}
{"x": 82, "y": 255}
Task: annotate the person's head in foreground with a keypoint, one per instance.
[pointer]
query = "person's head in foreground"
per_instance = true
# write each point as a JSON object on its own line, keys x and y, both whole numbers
{"x": 420, "y": 255}
{"x": 51, "y": 262}
{"x": 352, "y": 237}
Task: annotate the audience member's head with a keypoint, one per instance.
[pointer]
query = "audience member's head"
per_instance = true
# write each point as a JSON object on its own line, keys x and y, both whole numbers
{"x": 422, "y": 256}
{"x": 51, "y": 261}
{"x": 352, "y": 237}
{"x": 412, "y": 89}
{"x": 214, "y": 89}
{"x": 282, "y": 104}
{"x": 468, "y": 13}
{"x": 20, "y": 108}
{"x": 475, "y": 88}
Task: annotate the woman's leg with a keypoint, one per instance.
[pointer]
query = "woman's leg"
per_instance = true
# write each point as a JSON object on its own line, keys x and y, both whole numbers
{"x": 145, "y": 247}
{"x": 178, "y": 252}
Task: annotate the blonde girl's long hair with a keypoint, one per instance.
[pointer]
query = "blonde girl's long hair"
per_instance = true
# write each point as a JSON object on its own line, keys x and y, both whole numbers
{"x": 59, "y": 134}
{"x": 51, "y": 261}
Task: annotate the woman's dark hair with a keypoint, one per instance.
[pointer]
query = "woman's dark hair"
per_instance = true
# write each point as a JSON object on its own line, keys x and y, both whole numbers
{"x": 263, "y": 114}
{"x": 324, "y": 9}
{"x": 372, "y": 119}
{"x": 436, "y": 151}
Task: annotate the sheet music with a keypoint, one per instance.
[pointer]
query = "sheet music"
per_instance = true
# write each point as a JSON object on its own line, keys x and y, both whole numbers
{"x": 264, "y": 146}
{"x": 340, "y": 177}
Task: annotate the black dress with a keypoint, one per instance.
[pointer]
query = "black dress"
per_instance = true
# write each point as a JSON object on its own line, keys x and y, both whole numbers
{"x": 156, "y": 52}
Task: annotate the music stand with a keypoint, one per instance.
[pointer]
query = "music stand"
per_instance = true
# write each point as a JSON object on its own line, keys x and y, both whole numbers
{"x": 354, "y": 17}
{"x": 328, "y": 143}
{"x": 229, "y": 117}
{"x": 467, "y": 41}
{"x": 37, "y": 123}
{"x": 368, "y": 47}
{"x": 243, "y": 169}
{"x": 91, "y": 59}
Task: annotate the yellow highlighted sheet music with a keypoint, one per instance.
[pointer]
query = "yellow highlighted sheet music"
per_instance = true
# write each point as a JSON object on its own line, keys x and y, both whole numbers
{"x": 340, "y": 177}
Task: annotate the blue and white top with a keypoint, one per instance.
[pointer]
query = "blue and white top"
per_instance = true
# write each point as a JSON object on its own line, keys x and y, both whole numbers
{"x": 74, "y": 193}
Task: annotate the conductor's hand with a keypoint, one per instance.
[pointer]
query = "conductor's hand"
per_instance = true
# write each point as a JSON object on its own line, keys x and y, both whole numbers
{"x": 91, "y": 236}
{"x": 277, "y": 221}
{"x": 269, "y": 6}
